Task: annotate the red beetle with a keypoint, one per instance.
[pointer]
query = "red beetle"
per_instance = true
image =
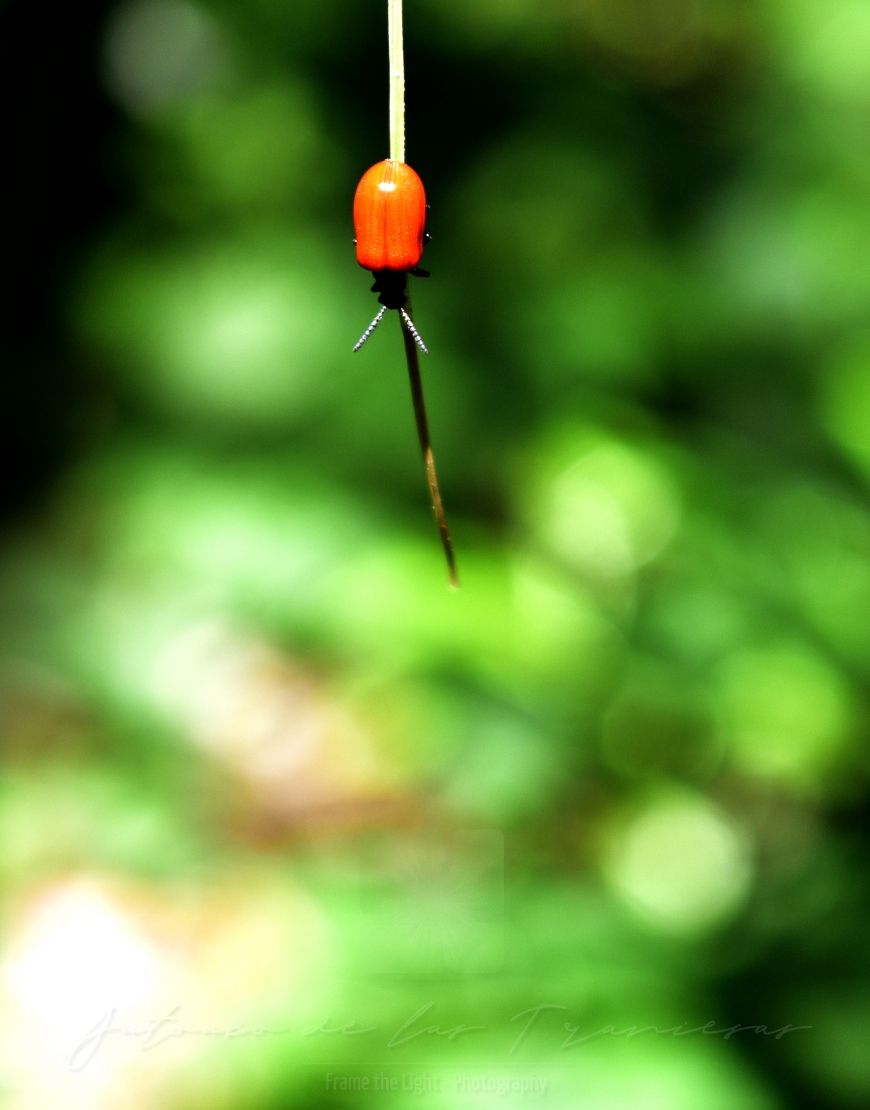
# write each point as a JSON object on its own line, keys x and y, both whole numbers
{"x": 389, "y": 215}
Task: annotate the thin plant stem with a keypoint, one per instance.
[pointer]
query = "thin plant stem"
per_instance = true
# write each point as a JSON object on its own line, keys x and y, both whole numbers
{"x": 397, "y": 154}
{"x": 397, "y": 81}
{"x": 412, "y": 356}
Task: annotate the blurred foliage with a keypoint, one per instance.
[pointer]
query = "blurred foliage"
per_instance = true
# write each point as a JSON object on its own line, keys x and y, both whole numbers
{"x": 259, "y": 763}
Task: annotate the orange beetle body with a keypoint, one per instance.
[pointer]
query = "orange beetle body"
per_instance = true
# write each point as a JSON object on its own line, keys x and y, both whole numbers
{"x": 389, "y": 215}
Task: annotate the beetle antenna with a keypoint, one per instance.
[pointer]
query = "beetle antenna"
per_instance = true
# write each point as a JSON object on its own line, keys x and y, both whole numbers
{"x": 411, "y": 339}
{"x": 365, "y": 335}
{"x": 409, "y": 323}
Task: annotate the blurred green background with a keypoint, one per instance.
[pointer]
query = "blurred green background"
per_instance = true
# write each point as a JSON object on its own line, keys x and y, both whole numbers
{"x": 263, "y": 775}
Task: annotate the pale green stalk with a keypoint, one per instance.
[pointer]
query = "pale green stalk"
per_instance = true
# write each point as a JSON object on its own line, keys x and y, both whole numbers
{"x": 397, "y": 81}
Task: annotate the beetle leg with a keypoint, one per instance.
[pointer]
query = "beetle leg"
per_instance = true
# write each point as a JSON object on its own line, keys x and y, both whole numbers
{"x": 409, "y": 325}
{"x": 365, "y": 335}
